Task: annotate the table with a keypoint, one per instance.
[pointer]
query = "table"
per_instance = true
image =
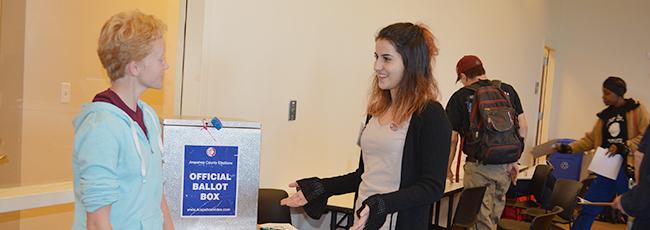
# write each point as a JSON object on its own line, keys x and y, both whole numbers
{"x": 451, "y": 189}
{"x": 343, "y": 204}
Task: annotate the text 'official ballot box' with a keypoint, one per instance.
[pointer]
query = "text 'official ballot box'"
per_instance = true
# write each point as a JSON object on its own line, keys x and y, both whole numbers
{"x": 211, "y": 177}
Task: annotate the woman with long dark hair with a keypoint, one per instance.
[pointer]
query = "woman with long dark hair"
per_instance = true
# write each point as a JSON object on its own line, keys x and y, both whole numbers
{"x": 404, "y": 145}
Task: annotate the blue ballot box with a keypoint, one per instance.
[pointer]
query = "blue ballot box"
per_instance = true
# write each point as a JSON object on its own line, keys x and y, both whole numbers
{"x": 566, "y": 166}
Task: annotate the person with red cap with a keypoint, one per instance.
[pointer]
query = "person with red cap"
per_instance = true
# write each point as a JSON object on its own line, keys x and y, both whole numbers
{"x": 486, "y": 164}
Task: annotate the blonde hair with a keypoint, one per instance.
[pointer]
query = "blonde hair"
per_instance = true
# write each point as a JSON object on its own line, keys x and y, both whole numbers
{"x": 127, "y": 37}
{"x": 416, "y": 44}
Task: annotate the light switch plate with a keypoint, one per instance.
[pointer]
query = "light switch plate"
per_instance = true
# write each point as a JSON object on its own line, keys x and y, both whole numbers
{"x": 66, "y": 91}
{"x": 292, "y": 110}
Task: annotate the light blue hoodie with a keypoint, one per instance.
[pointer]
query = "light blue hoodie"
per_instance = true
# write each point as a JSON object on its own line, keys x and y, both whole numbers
{"x": 115, "y": 164}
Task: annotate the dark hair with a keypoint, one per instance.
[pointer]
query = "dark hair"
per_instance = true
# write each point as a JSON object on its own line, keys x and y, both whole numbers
{"x": 474, "y": 72}
{"x": 616, "y": 85}
{"x": 416, "y": 45}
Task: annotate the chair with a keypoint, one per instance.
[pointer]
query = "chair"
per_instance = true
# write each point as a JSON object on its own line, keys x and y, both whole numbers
{"x": 565, "y": 195}
{"x": 468, "y": 207}
{"x": 269, "y": 209}
{"x": 537, "y": 185}
{"x": 541, "y": 222}
{"x": 585, "y": 184}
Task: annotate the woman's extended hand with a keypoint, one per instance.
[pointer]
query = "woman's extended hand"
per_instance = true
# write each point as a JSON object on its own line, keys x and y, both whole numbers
{"x": 295, "y": 200}
{"x": 363, "y": 218}
{"x": 616, "y": 204}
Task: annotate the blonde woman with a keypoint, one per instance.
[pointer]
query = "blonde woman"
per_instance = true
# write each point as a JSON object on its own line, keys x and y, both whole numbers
{"x": 117, "y": 162}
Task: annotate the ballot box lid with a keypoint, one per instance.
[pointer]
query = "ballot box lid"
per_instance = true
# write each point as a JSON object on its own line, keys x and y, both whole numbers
{"x": 194, "y": 121}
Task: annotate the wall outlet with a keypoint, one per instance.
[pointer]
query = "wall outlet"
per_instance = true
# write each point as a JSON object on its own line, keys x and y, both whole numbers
{"x": 66, "y": 91}
{"x": 292, "y": 110}
{"x": 3, "y": 155}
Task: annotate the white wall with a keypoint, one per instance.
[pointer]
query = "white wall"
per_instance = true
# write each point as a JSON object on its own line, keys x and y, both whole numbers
{"x": 247, "y": 59}
{"x": 12, "y": 36}
{"x": 61, "y": 44}
{"x": 593, "y": 40}
{"x": 12, "y": 39}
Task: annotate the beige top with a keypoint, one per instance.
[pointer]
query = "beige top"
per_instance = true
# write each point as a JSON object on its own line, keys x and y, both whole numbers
{"x": 382, "y": 147}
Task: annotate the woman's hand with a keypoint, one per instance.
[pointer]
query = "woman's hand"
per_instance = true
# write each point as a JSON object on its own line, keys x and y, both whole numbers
{"x": 513, "y": 173}
{"x": 616, "y": 204}
{"x": 450, "y": 175}
{"x": 295, "y": 200}
{"x": 612, "y": 150}
{"x": 562, "y": 148}
{"x": 363, "y": 218}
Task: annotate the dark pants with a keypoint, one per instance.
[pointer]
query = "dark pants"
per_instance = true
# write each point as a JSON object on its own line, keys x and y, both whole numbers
{"x": 602, "y": 189}
{"x": 641, "y": 223}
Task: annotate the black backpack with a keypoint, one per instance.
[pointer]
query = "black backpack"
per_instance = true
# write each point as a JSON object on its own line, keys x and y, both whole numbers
{"x": 493, "y": 135}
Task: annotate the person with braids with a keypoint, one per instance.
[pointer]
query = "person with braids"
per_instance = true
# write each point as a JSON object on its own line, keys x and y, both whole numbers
{"x": 404, "y": 144}
{"x": 619, "y": 128}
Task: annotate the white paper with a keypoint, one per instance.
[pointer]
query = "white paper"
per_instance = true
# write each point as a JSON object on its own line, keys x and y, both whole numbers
{"x": 606, "y": 166}
{"x": 544, "y": 149}
{"x": 277, "y": 226}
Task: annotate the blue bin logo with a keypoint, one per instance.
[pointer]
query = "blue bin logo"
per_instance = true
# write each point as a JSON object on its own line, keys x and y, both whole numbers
{"x": 567, "y": 165}
{"x": 564, "y": 165}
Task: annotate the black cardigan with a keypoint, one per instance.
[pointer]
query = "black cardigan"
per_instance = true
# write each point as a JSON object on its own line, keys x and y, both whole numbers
{"x": 636, "y": 202}
{"x": 424, "y": 169}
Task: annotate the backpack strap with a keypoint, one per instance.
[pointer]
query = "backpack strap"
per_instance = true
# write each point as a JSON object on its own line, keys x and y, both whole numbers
{"x": 635, "y": 112}
{"x": 496, "y": 83}
{"x": 460, "y": 155}
{"x": 476, "y": 86}
{"x": 473, "y": 87}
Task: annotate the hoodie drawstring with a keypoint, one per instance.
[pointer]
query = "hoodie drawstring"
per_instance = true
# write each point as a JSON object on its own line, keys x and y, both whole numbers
{"x": 144, "y": 159}
{"x": 153, "y": 118}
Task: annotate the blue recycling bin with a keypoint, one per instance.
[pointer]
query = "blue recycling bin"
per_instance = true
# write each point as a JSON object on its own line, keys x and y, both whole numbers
{"x": 566, "y": 166}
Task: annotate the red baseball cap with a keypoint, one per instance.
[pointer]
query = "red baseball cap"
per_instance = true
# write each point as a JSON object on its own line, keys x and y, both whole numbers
{"x": 465, "y": 63}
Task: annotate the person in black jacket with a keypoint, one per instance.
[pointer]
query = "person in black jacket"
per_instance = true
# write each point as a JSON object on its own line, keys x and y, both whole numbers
{"x": 404, "y": 144}
{"x": 636, "y": 201}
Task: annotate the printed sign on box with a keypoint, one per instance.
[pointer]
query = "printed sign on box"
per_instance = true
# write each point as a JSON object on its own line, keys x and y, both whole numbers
{"x": 209, "y": 181}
